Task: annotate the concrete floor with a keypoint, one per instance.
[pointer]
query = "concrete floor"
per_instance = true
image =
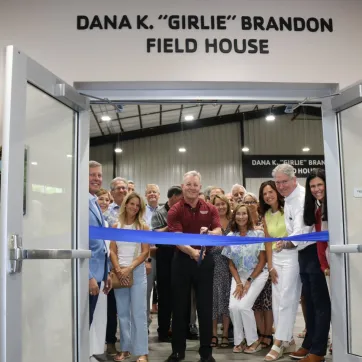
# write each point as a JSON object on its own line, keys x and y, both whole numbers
{"x": 160, "y": 351}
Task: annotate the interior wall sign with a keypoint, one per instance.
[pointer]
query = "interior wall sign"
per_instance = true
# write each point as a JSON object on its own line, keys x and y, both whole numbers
{"x": 261, "y": 166}
{"x": 256, "y": 26}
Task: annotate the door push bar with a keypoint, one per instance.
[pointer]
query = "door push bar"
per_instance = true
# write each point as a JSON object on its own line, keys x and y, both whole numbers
{"x": 17, "y": 254}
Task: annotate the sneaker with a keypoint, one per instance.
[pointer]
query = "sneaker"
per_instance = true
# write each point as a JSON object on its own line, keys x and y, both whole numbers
{"x": 111, "y": 349}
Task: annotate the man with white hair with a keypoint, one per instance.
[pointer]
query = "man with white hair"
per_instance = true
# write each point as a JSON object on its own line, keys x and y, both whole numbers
{"x": 238, "y": 192}
{"x": 192, "y": 266}
{"x": 289, "y": 286}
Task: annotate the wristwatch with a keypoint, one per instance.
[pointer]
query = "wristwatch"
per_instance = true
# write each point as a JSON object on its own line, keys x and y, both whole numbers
{"x": 149, "y": 260}
{"x": 250, "y": 280}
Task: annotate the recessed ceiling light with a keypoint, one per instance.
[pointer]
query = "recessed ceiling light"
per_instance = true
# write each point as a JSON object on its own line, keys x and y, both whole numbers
{"x": 245, "y": 149}
{"x": 306, "y": 149}
{"x": 189, "y": 117}
{"x": 270, "y": 117}
{"x": 106, "y": 118}
{"x": 34, "y": 163}
{"x": 118, "y": 150}
{"x": 69, "y": 156}
{"x": 182, "y": 149}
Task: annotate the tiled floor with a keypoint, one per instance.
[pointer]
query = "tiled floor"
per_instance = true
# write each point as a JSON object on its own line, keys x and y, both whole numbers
{"x": 160, "y": 351}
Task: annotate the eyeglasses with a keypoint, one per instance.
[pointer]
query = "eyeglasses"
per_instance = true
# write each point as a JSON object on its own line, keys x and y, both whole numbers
{"x": 119, "y": 188}
{"x": 278, "y": 183}
{"x": 249, "y": 202}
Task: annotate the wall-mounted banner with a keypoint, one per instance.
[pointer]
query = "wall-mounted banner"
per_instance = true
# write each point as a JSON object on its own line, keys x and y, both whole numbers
{"x": 214, "y": 42}
{"x": 261, "y": 166}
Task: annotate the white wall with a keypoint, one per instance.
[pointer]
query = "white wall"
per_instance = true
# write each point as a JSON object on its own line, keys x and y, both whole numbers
{"x": 213, "y": 151}
{"x": 46, "y": 31}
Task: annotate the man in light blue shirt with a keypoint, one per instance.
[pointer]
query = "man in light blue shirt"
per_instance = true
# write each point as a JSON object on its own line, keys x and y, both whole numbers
{"x": 98, "y": 263}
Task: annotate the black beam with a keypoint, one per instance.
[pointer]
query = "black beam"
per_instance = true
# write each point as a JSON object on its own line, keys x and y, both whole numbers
{"x": 237, "y": 109}
{"x": 140, "y": 116}
{"x": 218, "y": 112}
{"x": 202, "y": 106}
{"x": 160, "y": 114}
{"x": 95, "y": 117}
{"x": 114, "y": 160}
{"x": 181, "y": 109}
{"x": 119, "y": 121}
{"x": 177, "y": 127}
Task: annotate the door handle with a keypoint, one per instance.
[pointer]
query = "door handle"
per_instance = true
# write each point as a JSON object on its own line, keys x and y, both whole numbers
{"x": 349, "y": 248}
{"x": 17, "y": 254}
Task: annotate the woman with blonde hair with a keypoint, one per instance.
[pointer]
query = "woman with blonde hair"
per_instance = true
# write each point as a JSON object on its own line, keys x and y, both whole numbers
{"x": 222, "y": 276}
{"x": 128, "y": 259}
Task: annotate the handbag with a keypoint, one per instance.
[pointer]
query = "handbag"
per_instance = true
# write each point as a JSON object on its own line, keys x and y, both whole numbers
{"x": 126, "y": 282}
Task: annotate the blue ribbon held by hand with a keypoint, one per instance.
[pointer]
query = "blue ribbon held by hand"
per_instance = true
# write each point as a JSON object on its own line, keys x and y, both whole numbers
{"x": 147, "y": 237}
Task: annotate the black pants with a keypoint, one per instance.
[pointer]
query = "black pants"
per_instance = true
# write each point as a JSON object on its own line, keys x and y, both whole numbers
{"x": 186, "y": 273}
{"x": 318, "y": 303}
{"x": 92, "y": 305}
{"x": 111, "y": 318}
{"x": 164, "y": 257}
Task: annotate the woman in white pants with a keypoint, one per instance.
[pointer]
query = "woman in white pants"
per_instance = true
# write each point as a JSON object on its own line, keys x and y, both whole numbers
{"x": 283, "y": 268}
{"x": 247, "y": 266}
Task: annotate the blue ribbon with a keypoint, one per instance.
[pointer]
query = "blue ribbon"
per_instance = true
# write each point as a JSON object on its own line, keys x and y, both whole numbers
{"x": 147, "y": 237}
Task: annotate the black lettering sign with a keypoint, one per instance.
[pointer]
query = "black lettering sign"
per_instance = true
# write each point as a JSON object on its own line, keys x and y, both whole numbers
{"x": 262, "y": 166}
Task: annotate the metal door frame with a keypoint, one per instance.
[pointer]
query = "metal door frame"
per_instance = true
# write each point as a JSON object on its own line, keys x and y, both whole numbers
{"x": 19, "y": 71}
{"x": 245, "y": 92}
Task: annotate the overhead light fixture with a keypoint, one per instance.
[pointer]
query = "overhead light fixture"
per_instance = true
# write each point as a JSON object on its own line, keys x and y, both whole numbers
{"x": 34, "y": 163}
{"x": 245, "y": 149}
{"x": 69, "y": 156}
{"x": 270, "y": 117}
{"x": 118, "y": 150}
{"x": 305, "y": 149}
{"x": 189, "y": 117}
{"x": 182, "y": 149}
{"x": 106, "y": 118}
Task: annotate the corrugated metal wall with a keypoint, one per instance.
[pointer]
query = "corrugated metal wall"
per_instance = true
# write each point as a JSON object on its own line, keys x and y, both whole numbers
{"x": 213, "y": 151}
{"x": 281, "y": 137}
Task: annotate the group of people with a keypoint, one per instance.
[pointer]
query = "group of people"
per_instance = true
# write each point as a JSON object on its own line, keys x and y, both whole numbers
{"x": 250, "y": 288}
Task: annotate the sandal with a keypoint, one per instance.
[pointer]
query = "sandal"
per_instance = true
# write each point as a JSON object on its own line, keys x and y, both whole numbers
{"x": 142, "y": 359}
{"x": 302, "y": 334}
{"x": 278, "y": 350}
{"x": 266, "y": 345}
{"x": 121, "y": 356}
{"x": 214, "y": 341}
{"x": 250, "y": 350}
{"x": 224, "y": 344}
{"x": 240, "y": 348}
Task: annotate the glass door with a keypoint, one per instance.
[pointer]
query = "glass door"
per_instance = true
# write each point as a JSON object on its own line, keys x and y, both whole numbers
{"x": 343, "y": 149}
{"x": 44, "y": 216}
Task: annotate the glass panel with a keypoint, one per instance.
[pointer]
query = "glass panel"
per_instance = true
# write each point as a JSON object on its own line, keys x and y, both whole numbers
{"x": 351, "y": 134}
{"x": 48, "y": 224}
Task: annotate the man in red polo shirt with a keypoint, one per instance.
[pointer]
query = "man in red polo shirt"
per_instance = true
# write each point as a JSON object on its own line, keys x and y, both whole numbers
{"x": 195, "y": 216}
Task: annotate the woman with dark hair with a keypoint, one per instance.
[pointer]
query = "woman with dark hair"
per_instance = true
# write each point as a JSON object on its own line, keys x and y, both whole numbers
{"x": 315, "y": 287}
{"x": 247, "y": 266}
{"x": 283, "y": 269}
{"x": 222, "y": 276}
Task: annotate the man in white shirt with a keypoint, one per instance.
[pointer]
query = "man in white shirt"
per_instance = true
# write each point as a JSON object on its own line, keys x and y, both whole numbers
{"x": 286, "y": 183}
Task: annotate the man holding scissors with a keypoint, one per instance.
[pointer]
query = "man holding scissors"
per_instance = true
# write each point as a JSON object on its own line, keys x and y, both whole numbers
{"x": 192, "y": 266}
